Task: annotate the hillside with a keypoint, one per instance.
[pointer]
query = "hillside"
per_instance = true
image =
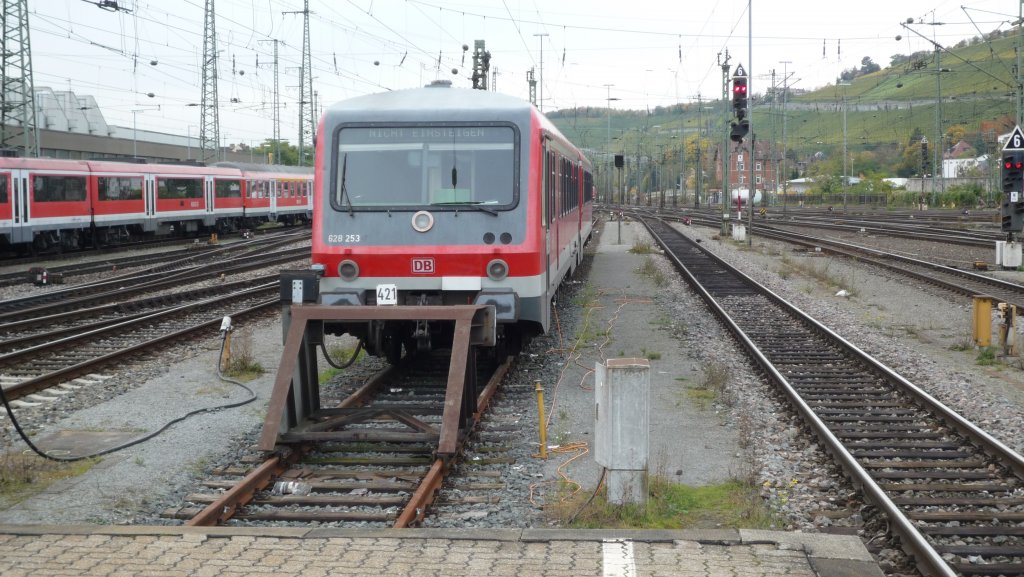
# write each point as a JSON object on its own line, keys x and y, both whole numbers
{"x": 885, "y": 111}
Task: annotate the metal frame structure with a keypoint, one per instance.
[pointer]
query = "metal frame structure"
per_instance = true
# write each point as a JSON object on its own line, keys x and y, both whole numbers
{"x": 17, "y": 103}
{"x": 296, "y": 395}
{"x": 209, "y": 126}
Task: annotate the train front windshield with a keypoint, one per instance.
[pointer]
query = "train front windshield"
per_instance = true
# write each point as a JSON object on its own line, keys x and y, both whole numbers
{"x": 425, "y": 166}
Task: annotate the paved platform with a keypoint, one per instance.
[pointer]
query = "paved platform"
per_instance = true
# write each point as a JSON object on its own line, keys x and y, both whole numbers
{"x": 134, "y": 551}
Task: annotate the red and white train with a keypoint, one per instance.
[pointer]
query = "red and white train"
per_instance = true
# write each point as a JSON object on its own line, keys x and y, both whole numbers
{"x": 439, "y": 196}
{"x": 47, "y": 204}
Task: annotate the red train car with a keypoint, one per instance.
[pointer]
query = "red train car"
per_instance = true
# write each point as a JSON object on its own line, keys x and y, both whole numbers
{"x": 47, "y": 200}
{"x": 280, "y": 193}
{"x": 47, "y": 203}
{"x": 446, "y": 196}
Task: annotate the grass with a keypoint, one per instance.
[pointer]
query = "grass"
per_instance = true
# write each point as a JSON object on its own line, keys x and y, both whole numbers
{"x": 650, "y": 270}
{"x": 986, "y": 356}
{"x": 339, "y": 355}
{"x": 242, "y": 364}
{"x": 732, "y": 504}
{"x": 818, "y": 272}
{"x": 711, "y": 386}
{"x": 23, "y": 475}
{"x": 586, "y": 296}
{"x": 651, "y": 355}
{"x": 642, "y": 247}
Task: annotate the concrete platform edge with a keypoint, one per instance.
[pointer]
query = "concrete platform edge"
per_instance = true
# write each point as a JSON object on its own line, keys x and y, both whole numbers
{"x": 818, "y": 545}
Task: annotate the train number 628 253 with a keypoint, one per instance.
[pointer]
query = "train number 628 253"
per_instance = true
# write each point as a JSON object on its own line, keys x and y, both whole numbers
{"x": 342, "y": 238}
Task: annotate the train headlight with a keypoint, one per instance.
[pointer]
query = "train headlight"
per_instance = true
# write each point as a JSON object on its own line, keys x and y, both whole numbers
{"x": 422, "y": 221}
{"x": 497, "y": 269}
{"x": 348, "y": 270}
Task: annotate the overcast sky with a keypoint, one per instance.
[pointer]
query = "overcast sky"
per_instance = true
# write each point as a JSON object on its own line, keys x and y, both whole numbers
{"x": 652, "y": 52}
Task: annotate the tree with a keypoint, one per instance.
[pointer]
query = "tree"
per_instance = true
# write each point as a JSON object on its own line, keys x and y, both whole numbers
{"x": 289, "y": 153}
{"x": 867, "y": 66}
{"x": 955, "y": 134}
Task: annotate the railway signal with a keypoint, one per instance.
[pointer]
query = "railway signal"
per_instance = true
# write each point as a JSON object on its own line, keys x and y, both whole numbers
{"x": 739, "y": 92}
{"x": 1012, "y": 207}
{"x": 924, "y": 156}
{"x": 741, "y": 127}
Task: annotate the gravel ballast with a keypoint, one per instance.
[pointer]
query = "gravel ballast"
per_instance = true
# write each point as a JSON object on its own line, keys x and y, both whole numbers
{"x": 746, "y": 432}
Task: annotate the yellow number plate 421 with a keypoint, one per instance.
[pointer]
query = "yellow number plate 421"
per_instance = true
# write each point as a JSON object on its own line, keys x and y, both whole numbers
{"x": 387, "y": 294}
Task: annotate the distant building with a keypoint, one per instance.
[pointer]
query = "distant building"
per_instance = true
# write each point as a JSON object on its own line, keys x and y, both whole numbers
{"x": 962, "y": 167}
{"x": 766, "y": 161}
{"x": 73, "y": 127}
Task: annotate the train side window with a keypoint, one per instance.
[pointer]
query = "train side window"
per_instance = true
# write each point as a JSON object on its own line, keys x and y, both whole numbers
{"x": 227, "y": 188}
{"x": 119, "y": 188}
{"x": 48, "y": 188}
{"x": 176, "y": 188}
{"x": 3, "y": 189}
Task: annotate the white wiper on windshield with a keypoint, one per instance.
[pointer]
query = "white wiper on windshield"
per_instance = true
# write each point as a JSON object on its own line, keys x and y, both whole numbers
{"x": 344, "y": 189}
{"x": 475, "y": 205}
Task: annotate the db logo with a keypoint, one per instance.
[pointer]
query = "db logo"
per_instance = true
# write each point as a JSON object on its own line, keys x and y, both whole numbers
{"x": 423, "y": 266}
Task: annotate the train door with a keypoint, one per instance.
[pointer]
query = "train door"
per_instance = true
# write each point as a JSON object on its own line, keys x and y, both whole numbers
{"x": 149, "y": 224}
{"x": 21, "y": 213}
{"x": 6, "y": 202}
{"x": 581, "y": 185}
{"x": 275, "y": 190}
{"x": 208, "y": 193}
{"x": 550, "y": 229}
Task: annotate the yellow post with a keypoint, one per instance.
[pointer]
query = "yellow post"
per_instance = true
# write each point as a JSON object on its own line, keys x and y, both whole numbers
{"x": 225, "y": 359}
{"x": 543, "y": 427}
{"x": 981, "y": 320}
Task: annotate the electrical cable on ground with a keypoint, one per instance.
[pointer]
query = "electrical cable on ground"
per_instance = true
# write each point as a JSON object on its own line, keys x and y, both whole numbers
{"x": 346, "y": 364}
{"x": 45, "y": 455}
{"x": 597, "y": 489}
{"x": 573, "y": 358}
{"x": 580, "y": 449}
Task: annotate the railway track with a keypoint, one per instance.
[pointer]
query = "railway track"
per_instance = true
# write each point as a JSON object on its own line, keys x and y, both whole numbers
{"x": 124, "y": 289}
{"x": 956, "y": 280}
{"x": 165, "y": 278}
{"x": 951, "y": 494}
{"x": 379, "y": 468}
{"x": 892, "y": 227}
{"x": 26, "y": 372}
{"x": 176, "y": 246}
{"x": 949, "y": 278}
{"x": 36, "y": 330}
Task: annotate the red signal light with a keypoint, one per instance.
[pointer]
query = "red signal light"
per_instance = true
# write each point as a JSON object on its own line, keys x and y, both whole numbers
{"x": 739, "y": 89}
